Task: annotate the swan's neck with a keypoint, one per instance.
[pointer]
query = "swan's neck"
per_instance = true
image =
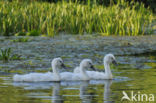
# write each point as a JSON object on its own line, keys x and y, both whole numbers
{"x": 108, "y": 70}
{"x": 55, "y": 69}
{"x": 56, "y": 73}
{"x": 83, "y": 73}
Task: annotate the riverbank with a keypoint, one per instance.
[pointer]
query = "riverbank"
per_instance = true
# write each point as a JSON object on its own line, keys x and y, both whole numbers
{"x": 50, "y": 19}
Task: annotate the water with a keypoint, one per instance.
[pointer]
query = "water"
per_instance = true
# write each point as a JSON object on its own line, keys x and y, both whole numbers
{"x": 135, "y": 73}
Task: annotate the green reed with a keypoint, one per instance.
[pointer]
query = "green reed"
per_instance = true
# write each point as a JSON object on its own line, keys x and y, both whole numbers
{"x": 74, "y": 18}
{"x": 6, "y": 55}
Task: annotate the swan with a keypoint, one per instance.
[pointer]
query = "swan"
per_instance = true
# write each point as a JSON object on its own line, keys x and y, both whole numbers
{"x": 49, "y": 76}
{"x": 108, "y": 59}
{"x": 82, "y": 75}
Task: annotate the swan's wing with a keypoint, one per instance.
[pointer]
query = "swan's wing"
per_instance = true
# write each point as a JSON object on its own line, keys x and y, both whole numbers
{"x": 34, "y": 77}
{"x": 16, "y": 78}
{"x": 77, "y": 70}
{"x": 69, "y": 76}
{"x": 66, "y": 75}
{"x": 96, "y": 75}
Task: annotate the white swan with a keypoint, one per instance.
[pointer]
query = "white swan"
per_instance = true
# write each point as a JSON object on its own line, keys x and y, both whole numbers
{"x": 36, "y": 77}
{"x": 108, "y": 59}
{"x": 82, "y": 75}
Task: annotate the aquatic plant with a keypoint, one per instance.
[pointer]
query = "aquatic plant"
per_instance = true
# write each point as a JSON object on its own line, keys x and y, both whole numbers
{"x": 30, "y": 33}
{"x": 20, "y": 34}
{"x": 5, "y": 55}
{"x": 74, "y": 18}
{"x": 33, "y": 33}
{"x": 21, "y": 40}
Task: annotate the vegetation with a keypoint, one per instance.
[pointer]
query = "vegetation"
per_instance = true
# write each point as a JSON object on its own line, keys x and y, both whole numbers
{"x": 30, "y": 33}
{"x": 33, "y": 33}
{"x": 5, "y": 55}
{"x": 51, "y": 18}
{"x": 20, "y": 40}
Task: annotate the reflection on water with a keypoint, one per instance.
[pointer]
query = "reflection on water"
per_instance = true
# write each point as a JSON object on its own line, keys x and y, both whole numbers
{"x": 84, "y": 96}
{"x": 102, "y": 91}
{"x": 56, "y": 97}
{"x": 107, "y": 91}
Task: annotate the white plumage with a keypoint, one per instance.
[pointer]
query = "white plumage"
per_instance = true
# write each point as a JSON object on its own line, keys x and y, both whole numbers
{"x": 37, "y": 77}
{"x": 82, "y": 75}
{"x": 108, "y": 59}
{"x": 55, "y": 75}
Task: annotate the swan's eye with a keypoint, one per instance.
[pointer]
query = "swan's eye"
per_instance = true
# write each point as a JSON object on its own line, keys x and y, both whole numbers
{"x": 90, "y": 63}
{"x": 112, "y": 58}
{"x": 60, "y": 62}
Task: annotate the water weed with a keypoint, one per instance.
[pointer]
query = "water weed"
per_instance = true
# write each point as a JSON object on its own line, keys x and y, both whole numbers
{"x": 33, "y": 33}
{"x": 5, "y": 55}
{"x": 21, "y": 40}
{"x": 20, "y": 34}
{"x": 49, "y": 19}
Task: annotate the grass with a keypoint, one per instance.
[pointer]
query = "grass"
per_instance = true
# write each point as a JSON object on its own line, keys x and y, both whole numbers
{"x": 5, "y": 55}
{"x": 74, "y": 18}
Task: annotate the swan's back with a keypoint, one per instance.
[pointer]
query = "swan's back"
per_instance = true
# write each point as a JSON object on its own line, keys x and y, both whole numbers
{"x": 69, "y": 76}
{"x": 93, "y": 74}
{"x": 98, "y": 75}
{"x": 34, "y": 77}
{"x": 56, "y": 63}
{"x": 77, "y": 70}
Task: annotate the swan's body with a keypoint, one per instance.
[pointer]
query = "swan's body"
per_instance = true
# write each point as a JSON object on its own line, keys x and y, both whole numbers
{"x": 36, "y": 77}
{"x": 108, "y": 59}
{"x": 56, "y": 76}
{"x": 82, "y": 75}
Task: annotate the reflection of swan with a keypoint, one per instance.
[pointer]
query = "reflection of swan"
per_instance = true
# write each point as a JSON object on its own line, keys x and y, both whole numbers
{"x": 108, "y": 59}
{"x": 56, "y": 97}
{"x": 82, "y": 75}
{"x": 84, "y": 96}
{"x": 35, "y": 77}
{"x": 107, "y": 91}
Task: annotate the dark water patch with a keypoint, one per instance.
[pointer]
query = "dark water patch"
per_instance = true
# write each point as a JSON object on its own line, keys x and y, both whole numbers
{"x": 147, "y": 53}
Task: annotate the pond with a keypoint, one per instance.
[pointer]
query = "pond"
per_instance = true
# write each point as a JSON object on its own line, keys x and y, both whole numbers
{"x": 136, "y": 72}
{"x": 137, "y": 76}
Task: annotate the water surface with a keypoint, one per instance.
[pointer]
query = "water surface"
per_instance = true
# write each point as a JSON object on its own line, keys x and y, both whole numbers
{"x": 139, "y": 75}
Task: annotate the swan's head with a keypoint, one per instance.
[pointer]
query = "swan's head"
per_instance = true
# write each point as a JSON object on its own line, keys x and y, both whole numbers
{"x": 57, "y": 62}
{"x": 87, "y": 63}
{"x": 109, "y": 58}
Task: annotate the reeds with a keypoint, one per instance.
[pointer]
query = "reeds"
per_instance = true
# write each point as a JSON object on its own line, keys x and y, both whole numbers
{"x": 5, "y": 55}
{"x": 50, "y": 19}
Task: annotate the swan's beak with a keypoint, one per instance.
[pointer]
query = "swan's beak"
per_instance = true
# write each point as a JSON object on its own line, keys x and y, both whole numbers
{"x": 63, "y": 66}
{"x": 114, "y": 62}
{"x": 92, "y": 67}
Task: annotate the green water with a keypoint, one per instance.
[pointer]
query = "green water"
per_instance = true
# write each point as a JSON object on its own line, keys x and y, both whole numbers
{"x": 138, "y": 76}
